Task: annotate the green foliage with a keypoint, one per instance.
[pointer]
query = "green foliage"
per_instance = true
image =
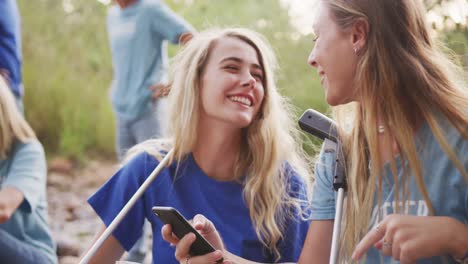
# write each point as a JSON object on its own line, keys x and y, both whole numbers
{"x": 457, "y": 41}
{"x": 67, "y": 71}
{"x": 296, "y": 79}
{"x": 67, "y": 64}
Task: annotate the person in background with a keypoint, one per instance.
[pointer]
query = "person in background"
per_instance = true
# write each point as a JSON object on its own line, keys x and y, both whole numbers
{"x": 138, "y": 31}
{"x": 402, "y": 111}
{"x": 24, "y": 233}
{"x": 237, "y": 157}
{"x": 10, "y": 49}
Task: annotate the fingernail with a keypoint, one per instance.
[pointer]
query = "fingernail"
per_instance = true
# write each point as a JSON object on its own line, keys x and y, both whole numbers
{"x": 217, "y": 254}
{"x": 191, "y": 237}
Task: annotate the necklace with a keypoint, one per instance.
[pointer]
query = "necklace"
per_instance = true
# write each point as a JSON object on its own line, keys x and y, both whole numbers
{"x": 381, "y": 129}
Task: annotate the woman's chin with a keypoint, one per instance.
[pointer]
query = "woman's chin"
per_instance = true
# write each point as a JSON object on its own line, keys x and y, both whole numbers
{"x": 336, "y": 100}
{"x": 332, "y": 101}
{"x": 243, "y": 121}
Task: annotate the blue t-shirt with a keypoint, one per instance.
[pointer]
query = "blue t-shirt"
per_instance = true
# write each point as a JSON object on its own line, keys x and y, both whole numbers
{"x": 10, "y": 44}
{"x": 191, "y": 192}
{"x": 446, "y": 186}
{"x": 25, "y": 170}
{"x": 137, "y": 36}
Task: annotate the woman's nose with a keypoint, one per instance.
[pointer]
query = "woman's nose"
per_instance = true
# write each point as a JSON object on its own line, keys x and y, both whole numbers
{"x": 311, "y": 60}
{"x": 248, "y": 80}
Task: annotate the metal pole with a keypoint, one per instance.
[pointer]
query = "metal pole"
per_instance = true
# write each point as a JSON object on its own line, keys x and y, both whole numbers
{"x": 125, "y": 209}
{"x": 324, "y": 128}
{"x": 337, "y": 227}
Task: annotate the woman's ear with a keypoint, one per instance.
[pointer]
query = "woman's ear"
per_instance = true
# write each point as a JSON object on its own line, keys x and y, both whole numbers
{"x": 359, "y": 33}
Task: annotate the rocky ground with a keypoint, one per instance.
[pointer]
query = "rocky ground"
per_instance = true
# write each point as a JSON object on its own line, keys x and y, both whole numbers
{"x": 72, "y": 221}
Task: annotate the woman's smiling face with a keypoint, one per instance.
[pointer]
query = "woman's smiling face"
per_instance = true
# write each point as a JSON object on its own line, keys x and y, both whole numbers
{"x": 232, "y": 83}
{"x": 334, "y": 58}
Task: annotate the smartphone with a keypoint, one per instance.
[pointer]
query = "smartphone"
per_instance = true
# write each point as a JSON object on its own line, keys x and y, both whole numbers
{"x": 181, "y": 227}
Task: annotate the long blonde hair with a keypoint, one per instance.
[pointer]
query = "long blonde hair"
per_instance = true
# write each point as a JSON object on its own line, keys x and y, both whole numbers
{"x": 403, "y": 75}
{"x": 12, "y": 124}
{"x": 269, "y": 143}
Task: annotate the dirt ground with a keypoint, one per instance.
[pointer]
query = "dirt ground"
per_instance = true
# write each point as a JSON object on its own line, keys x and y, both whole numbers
{"x": 73, "y": 222}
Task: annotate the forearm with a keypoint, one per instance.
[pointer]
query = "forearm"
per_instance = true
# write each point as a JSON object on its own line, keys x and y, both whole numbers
{"x": 459, "y": 239}
{"x": 318, "y": 242}
{"x": 10, "y": 199}
{"x": 109, "y": 252}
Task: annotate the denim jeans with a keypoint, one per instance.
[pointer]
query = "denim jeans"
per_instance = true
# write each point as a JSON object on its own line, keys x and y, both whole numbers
{"x": 16, "y": 251}
{"x": 130, "y": 133}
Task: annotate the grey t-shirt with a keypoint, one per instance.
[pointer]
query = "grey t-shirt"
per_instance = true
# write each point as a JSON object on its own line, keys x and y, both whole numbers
{"x": 446, "y": 186}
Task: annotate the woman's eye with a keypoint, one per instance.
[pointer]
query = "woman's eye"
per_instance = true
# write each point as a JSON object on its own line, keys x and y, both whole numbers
{"x": 230, "y": 67}
{"x": 258, "y": 77}
{"x": 314, "y": 37}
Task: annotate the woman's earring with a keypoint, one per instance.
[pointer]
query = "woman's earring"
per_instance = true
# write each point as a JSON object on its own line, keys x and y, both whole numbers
{"x": 355, "y": 50}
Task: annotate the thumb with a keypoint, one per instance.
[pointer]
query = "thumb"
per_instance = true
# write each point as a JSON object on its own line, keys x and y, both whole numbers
{"x": 202, "y": 224}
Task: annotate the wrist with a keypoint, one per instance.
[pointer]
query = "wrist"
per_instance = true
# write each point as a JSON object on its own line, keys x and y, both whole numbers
{"x": 236, "y": 259}
{"x": 459, "y": 242}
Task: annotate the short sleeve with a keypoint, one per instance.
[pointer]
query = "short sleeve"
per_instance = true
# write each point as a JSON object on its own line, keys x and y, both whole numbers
{"x": 323, "y": 194}
{"x": 166, "y": 23}
{"x": 28, "y": 173}
{"x": 109, "y": 200}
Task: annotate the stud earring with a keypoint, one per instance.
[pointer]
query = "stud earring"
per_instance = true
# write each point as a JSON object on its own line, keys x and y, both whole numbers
{"x": 356, "y": 50}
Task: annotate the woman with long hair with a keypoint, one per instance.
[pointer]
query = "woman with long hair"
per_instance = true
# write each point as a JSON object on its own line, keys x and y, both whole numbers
{"x": 24, "y": 233}
{"x": 236, "y": 157}
{"x": 402, "y": 113}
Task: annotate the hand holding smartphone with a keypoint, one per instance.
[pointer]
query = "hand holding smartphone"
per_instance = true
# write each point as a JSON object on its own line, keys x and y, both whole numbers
{"x": 181, "y": 227}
